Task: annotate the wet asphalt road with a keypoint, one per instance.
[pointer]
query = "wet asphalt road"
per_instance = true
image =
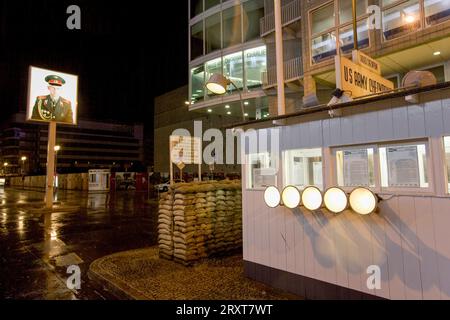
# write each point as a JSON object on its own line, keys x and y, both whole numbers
{"x": 36, "y": 247}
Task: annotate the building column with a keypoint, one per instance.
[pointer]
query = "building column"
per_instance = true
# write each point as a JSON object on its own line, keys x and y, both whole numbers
{"x": 310, "y": 89}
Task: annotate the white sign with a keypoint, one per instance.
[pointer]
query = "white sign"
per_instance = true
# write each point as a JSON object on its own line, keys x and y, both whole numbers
{"x": 367, "y": 62}
{"x": 358, "y": 80}
{"x": 403, "y": 166}
{"x": 184, "y": 149}
{"x": 52, "y": 96}
{"x": 356, "y": 168}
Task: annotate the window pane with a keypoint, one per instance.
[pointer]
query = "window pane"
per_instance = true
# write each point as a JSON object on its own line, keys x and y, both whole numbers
{"x": 303, "y": 168}
{"x": 355, "y": 168}
{"x": 346, "y": 41}
{"x": 324, "y": 47}
{"x": 436, "y": 11}
{"x": 401, "y": 19}
{"x": 322, "y": 19}
{"x": 253, "y": 12}
{"x": 447, "y": 159}
{"x": 197, "y": 83}
{"x": 232, "y": 26}
{"x": 233, "y": 70}
{"x": 404, "y": 166}
{"x": 346, "y": 10}
{"x": 212, "y": 67}
{"x": 197, "y": 40}
{"x": 261, "y": 171}
{"x": 255, "y": 66}
{"x": 196, "y": 7}
{"x": 211, "y": 3}
{"x": 213, "y": 41}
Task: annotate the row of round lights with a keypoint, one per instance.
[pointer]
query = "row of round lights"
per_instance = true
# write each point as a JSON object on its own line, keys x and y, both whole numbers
{"x": 360, "y": 200}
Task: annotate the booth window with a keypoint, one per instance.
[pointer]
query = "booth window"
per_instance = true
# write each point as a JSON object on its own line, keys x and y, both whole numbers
{"x": 436, "y": 11}
{"x": 404, "y": 166}
{"x": 261, "y": 171}
{"x": 447, "y": 159}
{"x": 303, "y": 168}
{"x": 355, "y": 167}
{"x": 233, "y": 69}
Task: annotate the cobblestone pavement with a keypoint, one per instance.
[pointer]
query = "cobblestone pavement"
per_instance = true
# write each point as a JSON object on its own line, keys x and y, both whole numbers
{"x": 141, "y": 274}
{"x": 36, "y": 247}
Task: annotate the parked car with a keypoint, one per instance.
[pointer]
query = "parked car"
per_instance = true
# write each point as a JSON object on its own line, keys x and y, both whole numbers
{"x": 164, "y": 187}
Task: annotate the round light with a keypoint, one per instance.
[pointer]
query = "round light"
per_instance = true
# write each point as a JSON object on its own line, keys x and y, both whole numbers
{"x": 312, "y": 198}
{"x": 227, "y": 106}
{"x": 272, "y": 197}
{"x": 410, "y": 19}
{"x": 335, "y": 200}
{"x": 437, "y": 53}
{"x": 216, "y": 88}
{"x": 209, "y": 110}
{"x": 363, "y": 201}
{"x": 229, "y": 112}
{"x": 291, "y": 197}
{"x": 24, "y": 158}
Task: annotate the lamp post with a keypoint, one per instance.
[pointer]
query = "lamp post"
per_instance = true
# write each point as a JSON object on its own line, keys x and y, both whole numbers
{"x": 5, "y": 165}
{"x": 23, "y": 159}
{"x": 218, "y": 84}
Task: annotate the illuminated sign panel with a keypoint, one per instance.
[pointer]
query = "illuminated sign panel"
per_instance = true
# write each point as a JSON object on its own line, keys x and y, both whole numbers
{"x": 52, "y": 96}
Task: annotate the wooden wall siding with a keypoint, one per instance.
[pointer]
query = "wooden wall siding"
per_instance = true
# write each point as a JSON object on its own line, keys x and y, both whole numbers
{"x": 409, "y": 238}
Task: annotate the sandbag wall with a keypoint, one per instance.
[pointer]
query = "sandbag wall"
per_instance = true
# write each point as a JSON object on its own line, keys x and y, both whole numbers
{"x": 199, "y": 220}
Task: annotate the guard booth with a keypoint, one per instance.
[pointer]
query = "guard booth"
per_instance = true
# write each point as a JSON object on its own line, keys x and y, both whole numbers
{"x": 99, "y": 180}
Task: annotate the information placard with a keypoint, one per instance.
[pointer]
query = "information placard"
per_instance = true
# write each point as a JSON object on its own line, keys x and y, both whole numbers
{"x": 403, "y": 166}
{"x": 356, "y": 168}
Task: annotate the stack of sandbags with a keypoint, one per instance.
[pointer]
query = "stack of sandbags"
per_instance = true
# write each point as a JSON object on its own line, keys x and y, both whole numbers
{"x": 207, "y": 219}
{"x": 165, "y": 226}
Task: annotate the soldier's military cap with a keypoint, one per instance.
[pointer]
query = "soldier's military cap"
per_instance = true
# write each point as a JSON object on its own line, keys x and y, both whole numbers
{"x": 55, "y": 80}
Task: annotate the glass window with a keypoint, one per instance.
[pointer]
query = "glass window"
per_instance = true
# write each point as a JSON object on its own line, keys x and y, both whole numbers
{"x": 211, "y": 3}
{"x": 261, "y": 172}
{"x": 233, "y": 69}
{"x": 232, "y": 32}
{"x": 212, "y": 67}
{"x": 447, "y": 159}
{"x": 197, "y": 40}
{"x": 346, "y": 42}
{"x": 404, "y": 166}
{"x": 197, "y": 83}
{"x": 346, "y": 10}
{"x": 323, "y": 47}
{"x": 255, "y": 66}
{"x": 196, "y": 7}
{"x": 253, "y": 12}
{"x": 436, "y": 11}
{"x": 355, "y": 167}
{"x": 323, "y": 19}
{"x": 212, "y": 36}
{"x": 303, "y": 168}
{"x": 401, "y": 19}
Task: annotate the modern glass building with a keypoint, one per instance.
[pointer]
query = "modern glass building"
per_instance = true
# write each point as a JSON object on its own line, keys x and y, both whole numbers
{"x": 236, "y": 38}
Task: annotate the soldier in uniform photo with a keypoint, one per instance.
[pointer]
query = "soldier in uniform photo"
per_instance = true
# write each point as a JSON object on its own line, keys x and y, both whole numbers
{"x": 53, "y": 107}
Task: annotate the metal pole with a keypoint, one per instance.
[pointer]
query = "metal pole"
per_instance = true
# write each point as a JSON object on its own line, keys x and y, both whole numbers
{"x": 355, "y": 26}
{"x": 279, "y": 58}
{"x": 240, "y": 99}
{"x": 50, "y": 164}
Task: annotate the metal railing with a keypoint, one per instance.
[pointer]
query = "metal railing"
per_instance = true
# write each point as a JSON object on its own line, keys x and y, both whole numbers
{"x": 293, "y": 69}
{"x": 290, "y": 13}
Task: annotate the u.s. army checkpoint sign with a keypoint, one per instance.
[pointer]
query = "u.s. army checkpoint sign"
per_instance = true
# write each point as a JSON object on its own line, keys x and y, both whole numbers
{"x": 358, "y": 79}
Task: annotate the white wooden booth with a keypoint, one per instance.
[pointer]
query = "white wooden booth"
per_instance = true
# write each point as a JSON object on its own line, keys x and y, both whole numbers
{"x": 401, "y": 151}
{"x": 99, "y": 180}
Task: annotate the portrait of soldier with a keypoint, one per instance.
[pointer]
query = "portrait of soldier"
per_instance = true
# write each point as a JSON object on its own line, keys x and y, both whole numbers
{"x": 53, "y": 107}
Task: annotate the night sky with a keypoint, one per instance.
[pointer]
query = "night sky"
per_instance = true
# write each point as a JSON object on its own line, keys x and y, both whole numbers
{"x": 126, "y": 53}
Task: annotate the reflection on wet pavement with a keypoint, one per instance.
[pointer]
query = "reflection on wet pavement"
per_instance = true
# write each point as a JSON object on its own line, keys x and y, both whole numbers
{"x": 36, "y": 247}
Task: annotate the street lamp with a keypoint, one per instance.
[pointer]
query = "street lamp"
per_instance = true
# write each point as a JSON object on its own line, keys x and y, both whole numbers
{"x": 218, "y": 84}
{"x": 23, "y": 159}
{"x": 5, "y": 165}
